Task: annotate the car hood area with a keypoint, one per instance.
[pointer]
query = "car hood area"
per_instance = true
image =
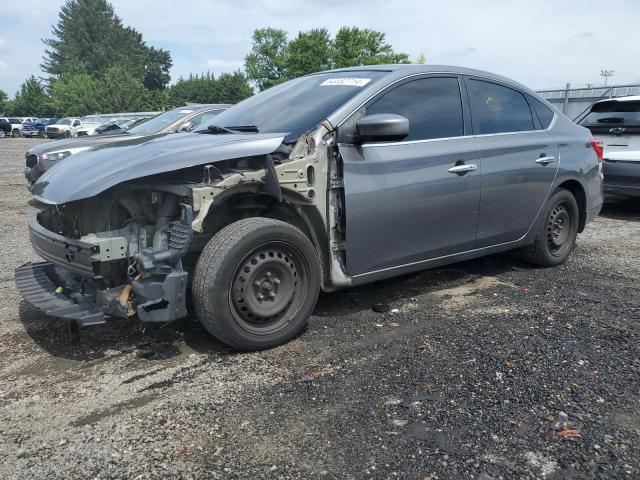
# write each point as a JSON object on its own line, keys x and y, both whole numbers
{"x": 89, "y": 173}
{"x": 80, "y": 142}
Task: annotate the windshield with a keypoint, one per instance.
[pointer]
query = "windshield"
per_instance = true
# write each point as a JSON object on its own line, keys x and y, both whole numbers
{"x": 159, "y": 122}
{"x": 64, "y": 121}
{"x": 295, "y": 106}
{"x": 614, "y": 112}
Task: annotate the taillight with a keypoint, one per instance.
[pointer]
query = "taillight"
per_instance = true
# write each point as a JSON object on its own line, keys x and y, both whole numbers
{"x": 598, "y": 148}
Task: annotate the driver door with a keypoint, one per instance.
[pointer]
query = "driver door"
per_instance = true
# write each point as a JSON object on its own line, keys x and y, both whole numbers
{"x": 403, "y": 202}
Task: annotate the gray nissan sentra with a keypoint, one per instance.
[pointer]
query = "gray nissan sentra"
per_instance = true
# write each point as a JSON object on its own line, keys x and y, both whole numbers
{"x": 326, "y": 181}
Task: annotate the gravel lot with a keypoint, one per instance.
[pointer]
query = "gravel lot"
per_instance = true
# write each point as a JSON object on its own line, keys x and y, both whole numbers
{"x": 485, "y": 369}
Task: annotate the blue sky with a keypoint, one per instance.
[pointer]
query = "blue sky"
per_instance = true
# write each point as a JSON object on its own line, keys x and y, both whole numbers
{"x": 541, "y": 43}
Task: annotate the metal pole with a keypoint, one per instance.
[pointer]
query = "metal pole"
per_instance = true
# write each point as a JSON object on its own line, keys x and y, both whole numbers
{"x": 565, "y": 106}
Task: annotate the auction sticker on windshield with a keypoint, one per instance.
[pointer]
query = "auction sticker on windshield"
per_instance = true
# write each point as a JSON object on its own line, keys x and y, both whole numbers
{"x": 348, "y": 82}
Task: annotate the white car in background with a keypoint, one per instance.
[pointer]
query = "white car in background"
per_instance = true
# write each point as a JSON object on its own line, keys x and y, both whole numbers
{"x": 616, "y": 121}
{"x": 65, "y": 128}
{"x": 16, "y": 125}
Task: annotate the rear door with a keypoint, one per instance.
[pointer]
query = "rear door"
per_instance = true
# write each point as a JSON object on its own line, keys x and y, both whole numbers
{"x": 404, "y": 203}
{"x": 519, "y": 161}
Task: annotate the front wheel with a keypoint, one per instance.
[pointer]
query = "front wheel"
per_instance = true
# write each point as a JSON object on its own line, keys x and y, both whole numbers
{"x": 15, "y": 133}
{"x": 67, "y": 134}
{"x": 256, "y": 283}
{"x": 557, "y": 231}
{"x": 2, "y": 133}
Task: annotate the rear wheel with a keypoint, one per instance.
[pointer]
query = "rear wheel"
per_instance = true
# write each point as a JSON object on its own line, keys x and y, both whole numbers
{"x": 256, "y": 283}
{"x": 557, "y": 231}
{"x": 2, "y": 133}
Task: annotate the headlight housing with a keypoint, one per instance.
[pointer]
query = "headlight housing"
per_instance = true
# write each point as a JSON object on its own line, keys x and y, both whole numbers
{"x": 60, "y": 154}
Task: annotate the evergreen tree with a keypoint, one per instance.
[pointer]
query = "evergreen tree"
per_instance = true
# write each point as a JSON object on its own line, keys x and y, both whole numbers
{"x": 90, "y": 38}
{"x": 31, "y": 99}
{"x": 4, "y": 100}
{"x": 75, "y": 95}
{"x": 120, "y": 91}
{"x": 206, "y": 88}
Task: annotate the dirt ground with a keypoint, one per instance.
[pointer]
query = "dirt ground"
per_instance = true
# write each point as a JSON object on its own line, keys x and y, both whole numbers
{"x": 483, "y": 369}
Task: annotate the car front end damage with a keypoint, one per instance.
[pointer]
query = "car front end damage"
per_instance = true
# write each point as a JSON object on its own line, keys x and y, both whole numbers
{"x": 130, "y": 249}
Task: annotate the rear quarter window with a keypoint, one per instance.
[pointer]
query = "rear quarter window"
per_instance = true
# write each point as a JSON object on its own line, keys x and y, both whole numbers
{"x": 544, "y": 113}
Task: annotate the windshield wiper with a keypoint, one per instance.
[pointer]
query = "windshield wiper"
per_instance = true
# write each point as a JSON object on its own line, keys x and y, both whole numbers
{"x": 216, "y": 130}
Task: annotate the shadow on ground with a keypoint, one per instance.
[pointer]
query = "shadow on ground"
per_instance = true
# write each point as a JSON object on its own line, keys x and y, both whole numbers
{"x": 157, "y": 343}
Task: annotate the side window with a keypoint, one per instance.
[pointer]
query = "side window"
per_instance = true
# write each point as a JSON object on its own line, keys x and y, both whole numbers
{"x": 432, "y": 105}
{"x": 498, "y": 109}
{"x": 202, "y": 118}
{"x": 544, "y": 113}
{"x": 76, "y": 123}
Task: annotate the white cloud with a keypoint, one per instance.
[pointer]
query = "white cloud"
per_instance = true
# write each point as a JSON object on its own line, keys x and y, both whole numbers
{"x": 217, "y": 65}
{"x": 532, "y": 41}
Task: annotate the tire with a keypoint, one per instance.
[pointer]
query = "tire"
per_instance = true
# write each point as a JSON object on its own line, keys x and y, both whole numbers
{"x": 15, "y": 133}
{"x": 67, "y": 134}
{"x": 557, "y": 230}
{"x": 42, "y": 134}
{"x": 2, "y": 133}
{"x": 256, "y": 283}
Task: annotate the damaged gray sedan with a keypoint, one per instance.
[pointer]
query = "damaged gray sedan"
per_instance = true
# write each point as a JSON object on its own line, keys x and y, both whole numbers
{"x": 326, "y": 181}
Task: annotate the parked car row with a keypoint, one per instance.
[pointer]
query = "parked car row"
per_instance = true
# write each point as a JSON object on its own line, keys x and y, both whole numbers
{"x": 55, "y": 128}
{"x": 330, "y": 180}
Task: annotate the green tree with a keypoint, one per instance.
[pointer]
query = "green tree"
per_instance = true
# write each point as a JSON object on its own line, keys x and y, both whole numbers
{"x": 31, "y": 99}
{"x": 355, "y": 46}
{"x": 273, "y": 59}
{"x": 74, "y": 95}
{"x": 90, "y": 38}
{"x": 309, "y": 52}
{"x": 206, "y": 88}
{"x": 266, "y": 64}
{"x": 120, "y": 91}
{"x": 233, "y": 87}
{"x": 3, "y": 100}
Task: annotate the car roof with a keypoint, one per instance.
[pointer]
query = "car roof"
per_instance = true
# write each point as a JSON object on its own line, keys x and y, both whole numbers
{"x": 630, "y": 98}
{"x": 405, "y": 69}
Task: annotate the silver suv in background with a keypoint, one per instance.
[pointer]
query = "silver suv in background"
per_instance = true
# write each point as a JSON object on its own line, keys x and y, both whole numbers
{"x": 184, "y": 119}
{"x": 616, "y": 122}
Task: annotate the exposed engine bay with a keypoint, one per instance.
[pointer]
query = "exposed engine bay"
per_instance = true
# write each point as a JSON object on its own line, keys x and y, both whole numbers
{"x": 130, "y": 249}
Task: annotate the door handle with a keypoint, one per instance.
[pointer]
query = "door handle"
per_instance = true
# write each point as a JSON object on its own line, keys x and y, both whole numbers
{"x": 463, "y": 168}
{"x": 546, "y": 160}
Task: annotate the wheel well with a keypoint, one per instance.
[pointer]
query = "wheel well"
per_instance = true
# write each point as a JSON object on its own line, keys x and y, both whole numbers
{"x": 244, "y": 205}
{"x": 578, "y": 193}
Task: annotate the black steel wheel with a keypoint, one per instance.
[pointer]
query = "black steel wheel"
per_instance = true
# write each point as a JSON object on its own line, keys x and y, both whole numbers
{"x": 256, "y": 283}
{"x": 556, "y": 231}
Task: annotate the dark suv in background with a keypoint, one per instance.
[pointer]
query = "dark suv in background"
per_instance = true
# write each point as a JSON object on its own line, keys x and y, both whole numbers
{"x": 5, "y": 128}
{"x": 184, "y": 119}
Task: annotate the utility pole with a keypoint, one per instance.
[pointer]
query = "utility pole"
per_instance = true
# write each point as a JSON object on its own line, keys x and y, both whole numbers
{"x": 606, "y": 74}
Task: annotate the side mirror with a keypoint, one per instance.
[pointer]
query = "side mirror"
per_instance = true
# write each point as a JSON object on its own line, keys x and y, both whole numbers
{"x": 185, "y": 127}
{"x": 382, "y": 126}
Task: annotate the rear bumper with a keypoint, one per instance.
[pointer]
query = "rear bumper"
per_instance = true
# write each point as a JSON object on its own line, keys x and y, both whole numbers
{"x": 39, "y": 285}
